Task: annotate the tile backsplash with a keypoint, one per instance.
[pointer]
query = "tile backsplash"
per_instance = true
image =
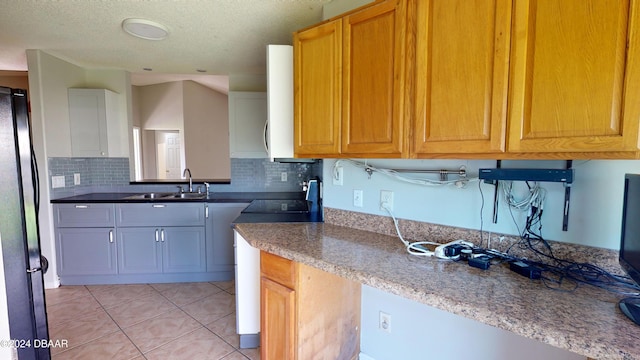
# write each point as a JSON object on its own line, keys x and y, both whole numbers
{"x": 112, "y": 175}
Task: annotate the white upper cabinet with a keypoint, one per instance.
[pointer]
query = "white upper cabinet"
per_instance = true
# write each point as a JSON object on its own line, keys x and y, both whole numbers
{"x": 96, "y": 129}
{"x": 247, "y": 122}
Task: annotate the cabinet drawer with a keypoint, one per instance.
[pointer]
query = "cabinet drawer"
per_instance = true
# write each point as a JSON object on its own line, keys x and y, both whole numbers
{"x": 84, "y": 215}
{"x": 278, "y": 269}
{"x": 160, "y": 214}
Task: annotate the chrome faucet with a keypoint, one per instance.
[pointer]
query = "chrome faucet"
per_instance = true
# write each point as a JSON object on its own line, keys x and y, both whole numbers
{"x": 184, "y": 174}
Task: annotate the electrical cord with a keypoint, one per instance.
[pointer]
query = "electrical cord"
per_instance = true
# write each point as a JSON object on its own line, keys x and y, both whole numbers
{"x": 459, "y": 183}
{"x": 417, "y": 248}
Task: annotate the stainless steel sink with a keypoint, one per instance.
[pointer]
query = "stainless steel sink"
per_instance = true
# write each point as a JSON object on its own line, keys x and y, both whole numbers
{"x": 149, "y": 196}
{"x": 186, "y": 196}
{"x": 167, "y": 196}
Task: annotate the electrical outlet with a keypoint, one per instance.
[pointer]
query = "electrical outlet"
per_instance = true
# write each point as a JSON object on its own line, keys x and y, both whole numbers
{"x": 57, "y": 181}
{"x": 384, "y": 322}
{"x": 386, "y": 198}
{"x": 283, "y": 176}
{"x": 76, "y": 179}
{"x": 337, "y": 176}
{"x": 357, "y": 198}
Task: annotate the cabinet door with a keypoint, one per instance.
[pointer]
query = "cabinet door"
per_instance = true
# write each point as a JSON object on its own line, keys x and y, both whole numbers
{"x": 86, "y": 251}
{"x": 247, "y": 119}
{"x": 95, "y": 127}
{"x": 575, "y": 76}
{"x": 462, "y": 57}
{"x": 183, "y": 249}
{"x": 220, "y": 256}
{"x": 318, "y": 90}
{"x": 374, "y": 81}
{"x": 139, "y": 251}
{"x": 277, "y": 324}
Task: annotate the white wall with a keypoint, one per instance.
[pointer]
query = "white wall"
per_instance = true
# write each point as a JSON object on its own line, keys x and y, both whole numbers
{"x": 206, "y": 132}
{"x": 337, "y": 7}
{"x": 595, "y": 207}
{"x": 49, "y": 79}
{"x": 421, "y": 332}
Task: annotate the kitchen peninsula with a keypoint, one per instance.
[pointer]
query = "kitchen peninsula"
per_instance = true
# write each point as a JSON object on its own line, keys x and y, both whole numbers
{"x": 585, "y": 321}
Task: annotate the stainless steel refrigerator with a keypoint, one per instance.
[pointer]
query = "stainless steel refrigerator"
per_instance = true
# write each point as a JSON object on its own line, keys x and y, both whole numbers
{"x": 19, "y": 233}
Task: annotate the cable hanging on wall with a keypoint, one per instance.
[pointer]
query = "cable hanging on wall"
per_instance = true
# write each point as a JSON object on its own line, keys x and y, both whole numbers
{"x": 460, "y": 182}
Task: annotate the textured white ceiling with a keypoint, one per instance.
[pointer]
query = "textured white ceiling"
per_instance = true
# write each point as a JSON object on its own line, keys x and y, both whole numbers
{"x": 222, "y": 36}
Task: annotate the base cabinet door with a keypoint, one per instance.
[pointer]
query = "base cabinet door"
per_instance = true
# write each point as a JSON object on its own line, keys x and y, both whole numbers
{"x": 278, "y": 333}
{"x": 307, "y": 313}
{"x": 148, "y": 250}
{"x": 183, "y": 249}
{"x": 220, "y": 256}
{"x": 139, "y": 251}
{"x": 86, "y": 251}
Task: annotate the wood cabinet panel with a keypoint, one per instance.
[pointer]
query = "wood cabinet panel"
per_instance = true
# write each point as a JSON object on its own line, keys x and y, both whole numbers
{"x": 373, "y": 81}
{"x": 307, "y": 313}
{"x": 318, "y": 90}
{"x": 574, "y": 76}
{"x": 462, "y": 57}
{"x": 278, "y": 332}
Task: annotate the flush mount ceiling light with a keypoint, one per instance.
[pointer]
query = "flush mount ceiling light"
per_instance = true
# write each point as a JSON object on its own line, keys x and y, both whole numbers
{"x": 145, "y": 29}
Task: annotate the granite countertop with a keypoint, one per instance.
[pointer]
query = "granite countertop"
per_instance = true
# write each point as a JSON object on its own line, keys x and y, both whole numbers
{"x": 586, "y": 321}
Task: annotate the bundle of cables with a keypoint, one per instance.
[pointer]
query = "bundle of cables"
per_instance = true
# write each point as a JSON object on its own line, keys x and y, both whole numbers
{"x": 559, "y": 274}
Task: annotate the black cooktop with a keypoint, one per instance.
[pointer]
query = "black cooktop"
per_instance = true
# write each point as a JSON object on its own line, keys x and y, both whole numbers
{"x": 277, "y": 207}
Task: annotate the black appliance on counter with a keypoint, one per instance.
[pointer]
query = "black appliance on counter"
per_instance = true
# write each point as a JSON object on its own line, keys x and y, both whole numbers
{"x": 19, "y": 233}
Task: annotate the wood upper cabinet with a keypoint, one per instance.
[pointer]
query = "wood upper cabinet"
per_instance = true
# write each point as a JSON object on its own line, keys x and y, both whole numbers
{"x": 306, "y": 313}
{"x": 318, "y": 90}
{"x": 374, "y": 81}
{"x": 350, "y": 85}
{"x": 461, "y": 75}
{"x": 575, "y": 76}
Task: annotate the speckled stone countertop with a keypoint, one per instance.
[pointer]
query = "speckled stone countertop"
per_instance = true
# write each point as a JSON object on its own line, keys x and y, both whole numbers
{"x": 586, "y": 321}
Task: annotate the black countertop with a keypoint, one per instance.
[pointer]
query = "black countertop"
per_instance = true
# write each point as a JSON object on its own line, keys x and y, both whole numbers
{"x": 214, "y": 197}
{"x": 222, "y": 197}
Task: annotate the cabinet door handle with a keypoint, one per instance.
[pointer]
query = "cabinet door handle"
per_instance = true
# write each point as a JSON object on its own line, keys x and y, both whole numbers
{"x": 111, "y": 236}
{"x": 82, "y": 206}
{"x": 206, "y": 211}
{"x": 162, "y": 234}
{"x": 265, "y": 141}
{"x": 157, "y": 235}
{"x": 159, "y": 205}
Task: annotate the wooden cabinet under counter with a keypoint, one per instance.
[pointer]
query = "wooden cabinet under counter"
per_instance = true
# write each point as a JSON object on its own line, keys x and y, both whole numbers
{"x": 307, "y": 313}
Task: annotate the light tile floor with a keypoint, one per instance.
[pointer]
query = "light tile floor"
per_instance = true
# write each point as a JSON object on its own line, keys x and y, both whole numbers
{"x": 146, "y": 321}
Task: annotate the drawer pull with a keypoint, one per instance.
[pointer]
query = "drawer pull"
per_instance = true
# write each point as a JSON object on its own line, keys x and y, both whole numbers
{"x": 82, "y": 206}
{"x": 206, "y": 211}
{"x": 162, "y": 235}
{"x": 111, "y": 236}
{"x": 157, "y": 235}
{"x": 159, "y": 205}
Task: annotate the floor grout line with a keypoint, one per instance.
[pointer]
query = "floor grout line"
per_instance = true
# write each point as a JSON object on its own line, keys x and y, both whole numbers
{"x": 227, "y": 289}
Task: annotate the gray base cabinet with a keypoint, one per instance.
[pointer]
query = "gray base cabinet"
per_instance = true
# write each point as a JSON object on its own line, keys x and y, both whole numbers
{"x": 86, "y": 251}
{"x": 161, "y": 250}
{"x": 144, "y": 242}
{"x": 220, "y": 252}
